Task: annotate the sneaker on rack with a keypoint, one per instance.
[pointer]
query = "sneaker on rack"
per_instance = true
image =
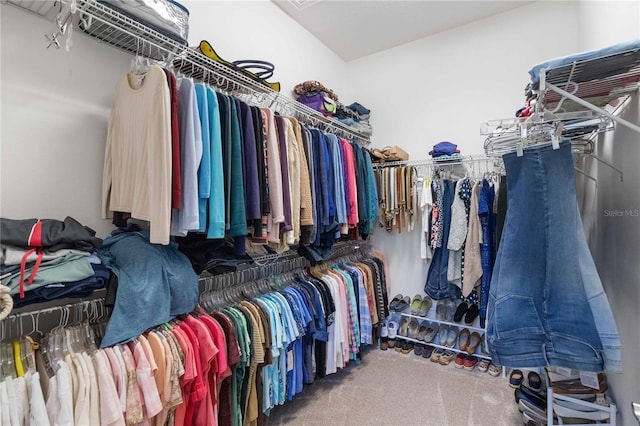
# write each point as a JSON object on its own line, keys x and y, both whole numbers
{"x": 459, "y": 361}
{"x": 483, "y": 365}
{"x": 470, "y": 363}
{"x": 494, "y": 370}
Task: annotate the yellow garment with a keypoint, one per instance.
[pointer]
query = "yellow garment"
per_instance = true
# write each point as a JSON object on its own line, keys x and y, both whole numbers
{"x": 16, "y": 358}
{"x": 306, "y": 203}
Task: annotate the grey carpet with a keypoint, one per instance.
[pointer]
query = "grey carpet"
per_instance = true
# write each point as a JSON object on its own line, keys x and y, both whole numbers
{"x": 395, "y": 389}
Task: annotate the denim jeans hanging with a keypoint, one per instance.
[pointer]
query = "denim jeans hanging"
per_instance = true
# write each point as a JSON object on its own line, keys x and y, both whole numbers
{"x": 546, "y": 302}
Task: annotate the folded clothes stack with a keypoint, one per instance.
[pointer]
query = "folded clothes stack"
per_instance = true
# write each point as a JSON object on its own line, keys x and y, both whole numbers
{"x": 445, "y": 151}
{"x": 48, "y": 259}
{"x": 356, "y": 116}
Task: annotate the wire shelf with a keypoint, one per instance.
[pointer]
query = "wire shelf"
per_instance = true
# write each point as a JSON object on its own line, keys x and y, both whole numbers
{"x": 112, "y": 27}
{"x": 463, "y": 159}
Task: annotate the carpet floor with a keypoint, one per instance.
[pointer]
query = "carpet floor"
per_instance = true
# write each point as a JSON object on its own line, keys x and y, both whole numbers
{"x": 391, "y": 388}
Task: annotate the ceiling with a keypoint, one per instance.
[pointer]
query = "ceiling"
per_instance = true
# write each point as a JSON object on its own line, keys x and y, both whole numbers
{"x": 353, "y": 29}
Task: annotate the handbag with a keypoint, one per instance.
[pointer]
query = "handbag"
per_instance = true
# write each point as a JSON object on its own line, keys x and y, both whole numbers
{"x": 389, "y": 153}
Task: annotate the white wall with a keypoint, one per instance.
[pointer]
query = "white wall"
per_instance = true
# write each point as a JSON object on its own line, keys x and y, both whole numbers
{"x": 261, "y": 30}
{"x": 55, "y": 105}
{"x": 615, "y": 240}
{"x": 445, "y": 86}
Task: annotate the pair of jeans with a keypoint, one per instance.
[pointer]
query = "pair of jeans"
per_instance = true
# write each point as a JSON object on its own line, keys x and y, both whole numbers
{"x": 546, "y": 302}
{"x": 437, "y": 285}
{"x": 487, "y": 247}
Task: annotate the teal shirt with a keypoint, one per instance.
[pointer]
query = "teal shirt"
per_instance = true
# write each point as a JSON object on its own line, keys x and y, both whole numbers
{"x": 204, "y": 171}
{"x": 216, "y": 200}
{"x": 238, "y": 215}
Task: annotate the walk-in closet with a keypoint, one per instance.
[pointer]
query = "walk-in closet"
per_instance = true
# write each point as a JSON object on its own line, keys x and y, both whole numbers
{"x": 319, "y": 212}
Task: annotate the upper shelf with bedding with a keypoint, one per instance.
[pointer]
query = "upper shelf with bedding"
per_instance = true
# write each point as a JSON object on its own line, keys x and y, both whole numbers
{"x": 599, "y": 77}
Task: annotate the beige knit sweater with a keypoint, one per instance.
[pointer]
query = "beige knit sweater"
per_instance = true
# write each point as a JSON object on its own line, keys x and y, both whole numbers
{"x": 137, "y": 160}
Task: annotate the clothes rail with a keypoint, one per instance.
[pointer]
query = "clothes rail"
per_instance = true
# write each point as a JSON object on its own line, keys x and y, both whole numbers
{"x": 112, "y": 27}
{"x": 14, "y": 325}
{"x": 283, "y": 263}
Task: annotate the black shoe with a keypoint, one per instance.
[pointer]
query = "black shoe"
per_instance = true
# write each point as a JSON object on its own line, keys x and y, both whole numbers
{"x": 471, "y": 314}
{"x": 533, "y": 397}
{"x": 460, "y": 311}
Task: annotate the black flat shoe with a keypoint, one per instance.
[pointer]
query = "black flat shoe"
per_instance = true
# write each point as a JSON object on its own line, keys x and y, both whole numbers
{"x": 471, "y": 314}
{"x": 460, "y": 311}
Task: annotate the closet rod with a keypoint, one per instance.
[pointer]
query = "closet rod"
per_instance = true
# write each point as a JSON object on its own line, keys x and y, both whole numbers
{"x": 434, "y": 162}
{"x": 129, "y": 35}
{"x": 288, "y": 262}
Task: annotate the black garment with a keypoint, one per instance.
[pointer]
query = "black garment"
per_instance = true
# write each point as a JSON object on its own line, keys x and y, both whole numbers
{"x": 54, "y": 234}
{"x": 225, "y": 128}
{"x": 214, "y": 256}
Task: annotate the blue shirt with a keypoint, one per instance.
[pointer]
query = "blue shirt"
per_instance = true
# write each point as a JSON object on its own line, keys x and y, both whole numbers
{"x": 216, "y": 200}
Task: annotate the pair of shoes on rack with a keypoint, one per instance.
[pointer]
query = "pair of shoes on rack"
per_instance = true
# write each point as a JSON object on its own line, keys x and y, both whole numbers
{"x": 468, "y": 362}
{"x": 431, "y": 332}
{"x": 436, "y": 354}
{"x": 469, "y": 341}
{"x": 472, "y": 314}
{"x": 483, "y": 365}
{"x": 404, "y": 346}
{"x": 466, "y": 311}
{"x": 445, "y": 310}
{"x": 448, "y": 335}
{"x": 399, "y": 303}
{"x": 423, "y": 350}
{"x": 420, "y": 305}
{"x": 494, "y": 370}
{"x": 425, "y": 306}
{"x": 446, "y": 357}
{"x": 384, "y": 335}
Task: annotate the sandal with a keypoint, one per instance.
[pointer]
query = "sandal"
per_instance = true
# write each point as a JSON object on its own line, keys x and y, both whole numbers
{"x": 422, "y": 331}
{"x": 447, "y": 357}
{"x": 403, "y": 328}
{"x": 415, "y": 304}
{"x": 425, "y": 306}
{"x": 394, "y": 302}
{"x": 255, "y": 69}
{"x": 436, "y": 354}
{"x": 413, "y": 329}
{"x": 432, "y": 332}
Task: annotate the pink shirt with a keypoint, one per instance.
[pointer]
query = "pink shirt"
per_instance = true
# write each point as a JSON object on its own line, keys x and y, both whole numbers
{"x": 146, "y": 382}
{"x": 352, "y": 206}
{"x": 203, "y": 414}
{"x": 110, "y": 412}
{"x": 119, "y": 376}
{"x": 188, "y": 378}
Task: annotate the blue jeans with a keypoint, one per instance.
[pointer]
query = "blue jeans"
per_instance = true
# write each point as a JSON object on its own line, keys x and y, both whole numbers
{"x": 487, "y": 248}
{"x": 437, "y": 285}
{"x": 546, "y": 302}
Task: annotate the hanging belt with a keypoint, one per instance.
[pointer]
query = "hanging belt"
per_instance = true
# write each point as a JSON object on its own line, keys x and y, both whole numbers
{"x": 411, "y": 197}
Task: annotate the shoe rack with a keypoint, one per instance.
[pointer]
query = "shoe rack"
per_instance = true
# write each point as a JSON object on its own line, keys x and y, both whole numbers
{"x": 436, "y": 341}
